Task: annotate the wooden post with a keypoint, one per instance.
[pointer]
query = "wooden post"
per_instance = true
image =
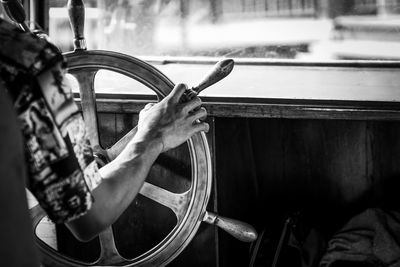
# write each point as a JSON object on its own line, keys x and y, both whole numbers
{"x": 40, "y": 12}
{"x": 37, "y": 14}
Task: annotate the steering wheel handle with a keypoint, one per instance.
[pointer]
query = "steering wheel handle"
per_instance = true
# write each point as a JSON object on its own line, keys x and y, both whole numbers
{"x": 76, "y": 12}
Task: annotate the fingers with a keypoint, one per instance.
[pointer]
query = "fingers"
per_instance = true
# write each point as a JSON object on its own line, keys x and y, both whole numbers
{"x": 191, "y": 105}
{"x": 199, "y": 114}
{"x": 148, "y": 106}
{"x": 177, "y": 92}
{"x": 199, "y": 127}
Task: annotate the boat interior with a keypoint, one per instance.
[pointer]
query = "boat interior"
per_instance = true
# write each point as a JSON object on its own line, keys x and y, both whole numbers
{"x": 290, "y": 139}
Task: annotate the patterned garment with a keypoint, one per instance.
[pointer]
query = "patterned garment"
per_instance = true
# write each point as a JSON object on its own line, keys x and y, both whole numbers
{"x": 61, "y": 167}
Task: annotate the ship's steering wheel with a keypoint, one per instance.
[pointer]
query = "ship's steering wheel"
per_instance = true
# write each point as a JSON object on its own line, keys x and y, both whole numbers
{"x": 189, "y": 207}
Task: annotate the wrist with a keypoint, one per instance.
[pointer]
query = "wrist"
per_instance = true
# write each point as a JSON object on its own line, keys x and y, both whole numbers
{"x": 137, "y": 154}
{"x": 150, "y": 147}
{"x": 148, "y": 141}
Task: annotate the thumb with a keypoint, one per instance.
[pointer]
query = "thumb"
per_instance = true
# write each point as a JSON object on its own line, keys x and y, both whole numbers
{"x": 177, "y": 92}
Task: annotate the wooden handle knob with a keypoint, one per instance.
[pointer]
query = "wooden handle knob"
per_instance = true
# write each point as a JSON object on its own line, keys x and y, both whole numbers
{"x": 76, "y": 12}
{"x": 15, "y": 11}
{"x": 217, "y": 73}
{"x": 240, "y": 230}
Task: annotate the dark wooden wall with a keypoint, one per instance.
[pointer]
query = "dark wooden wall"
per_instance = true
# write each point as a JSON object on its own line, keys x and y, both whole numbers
{"x": 269, "y": 168}
{"x": 328, "y": 169}
{"x": 265, "y": 169}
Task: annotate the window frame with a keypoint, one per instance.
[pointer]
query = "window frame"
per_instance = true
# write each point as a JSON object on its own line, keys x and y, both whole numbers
{"x": 265, "y": 107}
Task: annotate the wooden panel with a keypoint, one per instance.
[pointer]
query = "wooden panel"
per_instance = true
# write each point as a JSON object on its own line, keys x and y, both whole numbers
{"x": 107, "y": 132}
{"x": 310, "y": 162}
{"x": 270, "y": 166}
{"x": 235, "y": 176}
{"x": 384, "y": 147}
{"x": 328, "y": 169}
{"x": 275, "y": 108}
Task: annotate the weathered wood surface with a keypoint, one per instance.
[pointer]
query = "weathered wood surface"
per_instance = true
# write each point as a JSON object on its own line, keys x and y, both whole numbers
{"x": 274, "y": 108}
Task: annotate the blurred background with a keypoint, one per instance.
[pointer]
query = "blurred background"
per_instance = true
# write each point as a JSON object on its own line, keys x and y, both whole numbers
{"x": 289, "y": 29}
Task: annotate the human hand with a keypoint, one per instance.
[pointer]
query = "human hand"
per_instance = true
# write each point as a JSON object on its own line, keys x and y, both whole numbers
{"x": 171, "y": 122}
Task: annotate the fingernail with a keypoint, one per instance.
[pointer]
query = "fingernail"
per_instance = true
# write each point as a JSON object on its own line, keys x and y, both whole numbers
{"x": 182, "y": 84}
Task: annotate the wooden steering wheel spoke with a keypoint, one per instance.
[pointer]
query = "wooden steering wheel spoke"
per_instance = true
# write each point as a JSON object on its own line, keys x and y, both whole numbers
{"x": 88, "y": 103}
{"x": 109, "y": 253}
{"x": 188, "y": 207}
{"x": 37, "y": 214}
{"x": 178, "y": 203}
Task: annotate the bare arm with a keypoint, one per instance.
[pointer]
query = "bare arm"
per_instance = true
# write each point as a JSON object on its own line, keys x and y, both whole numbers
{"x": 161, "y": 127}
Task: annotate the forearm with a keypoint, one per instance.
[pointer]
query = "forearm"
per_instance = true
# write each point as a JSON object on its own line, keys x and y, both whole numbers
{"x": 161, "y": 126}
{"x": 122, "y": 180}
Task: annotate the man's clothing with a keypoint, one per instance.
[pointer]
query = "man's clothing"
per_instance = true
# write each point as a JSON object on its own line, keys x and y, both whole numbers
{"x": 60, "y": 163}
{"x": 16, "y": 239}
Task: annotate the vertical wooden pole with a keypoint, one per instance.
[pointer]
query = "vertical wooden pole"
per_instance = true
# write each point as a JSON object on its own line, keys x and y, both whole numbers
{"x": 41, "y": 10}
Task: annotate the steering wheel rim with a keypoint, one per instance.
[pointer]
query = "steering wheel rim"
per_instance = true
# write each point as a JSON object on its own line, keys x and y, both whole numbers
{"x": 193, "y": 204}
